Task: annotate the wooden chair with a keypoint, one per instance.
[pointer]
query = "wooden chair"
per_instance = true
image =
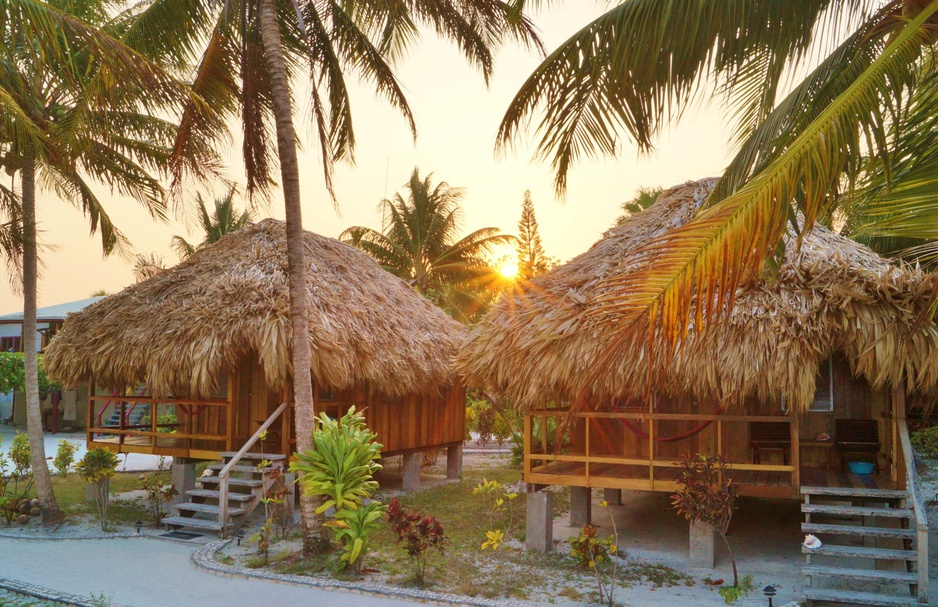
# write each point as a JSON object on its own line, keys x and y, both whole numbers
{"x": 767, "y": 437}
{"x": 857, "y": 438}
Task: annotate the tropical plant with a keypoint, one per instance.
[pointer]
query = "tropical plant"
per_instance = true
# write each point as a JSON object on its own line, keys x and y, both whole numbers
{"x": 340, "y": 470}
{"x": 16, "y": 477}
{"x": 249, "y": 51}
{"x": 420, "y": 243}
{"x": 532, "y": 260}
{"x": 499, "y": 505}
{"x": 223, "y": 220}
{"x": 96, "y": 468}
{"x": 147, "y": 265}
{"x": 708, "y": 497}
{"x": 857, "y": 133}
{"x": 420, "y": 534}
{"x": 78, "y": 106}
{"x": 644, "y": 198}
{"x": 158, "y": 494}
{"x": 65, "y": 456}
{"x": 599, "y": 555}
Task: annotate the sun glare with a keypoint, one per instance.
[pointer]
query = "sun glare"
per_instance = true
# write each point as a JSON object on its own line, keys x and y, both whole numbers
{"x": 509, "y": 270}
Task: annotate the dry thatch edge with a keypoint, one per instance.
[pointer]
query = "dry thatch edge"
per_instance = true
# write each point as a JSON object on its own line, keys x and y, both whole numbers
{"x": 832, "y": 294}
{"x": 180, "y": 330}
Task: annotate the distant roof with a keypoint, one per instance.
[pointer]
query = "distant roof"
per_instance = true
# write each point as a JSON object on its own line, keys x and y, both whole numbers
{"x": 48, "y": 313}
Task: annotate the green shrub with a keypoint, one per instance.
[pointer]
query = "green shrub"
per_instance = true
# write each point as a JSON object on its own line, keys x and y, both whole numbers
{"x": 926, "y": 442}
{"x": 16, "y": 477}
{"x": 65, "y": 456}
{"x": 96, "y": 467}
{"x": 341, "y": 470}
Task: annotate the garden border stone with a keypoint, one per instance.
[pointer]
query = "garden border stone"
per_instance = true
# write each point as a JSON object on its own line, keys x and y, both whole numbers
{"x": 45, "y": 594}
{"x": 204, "y": 558}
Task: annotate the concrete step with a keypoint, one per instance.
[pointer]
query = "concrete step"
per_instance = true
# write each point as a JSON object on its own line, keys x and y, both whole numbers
{"x": 232, "y": 497}
{"x": 208, "y": 509}
{"x": 857, "y": 511}
{"x": 851, "y": 597}
{"x": 816, "y": 528}
{"x": 195, "y": 523}
{"x": 274, "y": 457}
{"x": 232, "y": 481}
{"x": 880, "y": 554}
{"x": 853, "y": 492}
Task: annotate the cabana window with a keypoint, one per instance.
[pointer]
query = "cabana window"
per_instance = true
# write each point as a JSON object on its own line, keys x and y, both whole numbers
{"x": 824, "y": 391}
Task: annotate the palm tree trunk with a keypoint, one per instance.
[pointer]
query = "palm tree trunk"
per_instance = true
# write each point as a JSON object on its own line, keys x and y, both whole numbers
{"x": 314, "y": 538}
{"x": 51, "y": 514}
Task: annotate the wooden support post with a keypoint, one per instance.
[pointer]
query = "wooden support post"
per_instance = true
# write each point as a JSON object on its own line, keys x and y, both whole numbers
{"x": 795, "y": 452}
{"x": 454, "y": 462}
{"x": 528, "y": 440}
{"x": 412, "y": 463}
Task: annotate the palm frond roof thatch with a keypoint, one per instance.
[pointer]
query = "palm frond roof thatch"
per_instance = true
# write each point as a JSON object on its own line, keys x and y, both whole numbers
{"x": 179, "y": 330}
{"x": 829, "y": 295}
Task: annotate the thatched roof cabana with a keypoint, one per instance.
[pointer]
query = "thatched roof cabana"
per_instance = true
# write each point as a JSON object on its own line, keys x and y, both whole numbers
{"x": 831, "y": 294}
{"x": 179, "y": 330}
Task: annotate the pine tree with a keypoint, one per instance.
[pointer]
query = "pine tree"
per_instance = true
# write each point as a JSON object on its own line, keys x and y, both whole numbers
{"x": 532, "y": 260}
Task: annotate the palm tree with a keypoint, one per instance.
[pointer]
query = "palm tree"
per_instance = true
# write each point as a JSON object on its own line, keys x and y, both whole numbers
{"x": 644, "y": 198}
{"x": 420, "y": 243}
{"x": 857, "y": 132}
{"x": 64, "y": 121}
{"x": 252, "y": 50}
{"x": 222, "y": 221}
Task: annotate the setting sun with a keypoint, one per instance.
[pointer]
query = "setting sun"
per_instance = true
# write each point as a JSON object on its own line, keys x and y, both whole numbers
{"x": 509, "y": 270}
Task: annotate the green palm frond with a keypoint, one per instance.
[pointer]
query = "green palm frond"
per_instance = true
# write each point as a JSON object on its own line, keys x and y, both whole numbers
{"x": 644, "y": 61}
{"x": 706, "y": 259}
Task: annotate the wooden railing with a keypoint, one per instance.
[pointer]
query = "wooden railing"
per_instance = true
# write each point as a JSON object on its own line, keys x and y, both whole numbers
{"x": 648, "y": 458}
{"x": 225, "y": 473}
{"x": 921, "y": 521}
{"x": 182, "y": 434}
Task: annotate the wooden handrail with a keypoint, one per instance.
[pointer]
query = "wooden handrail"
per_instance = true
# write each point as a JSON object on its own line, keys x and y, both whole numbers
{"x": 226, "y": 471}
{"x": 911, "y": 479}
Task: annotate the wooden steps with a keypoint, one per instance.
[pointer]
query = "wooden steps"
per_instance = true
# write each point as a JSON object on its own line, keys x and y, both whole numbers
{"x": 208, "y": 509}
{"x": 860, "y": 574}
{"x": 816, "y": 528}
{"x": 880, "y": 554}
{"x": 851, "y": 597}
{"x": 856, "y": 511}
{"x": 209, "y": 494}
{"x": 233, "y": 481}
{"x": 257, "y": 457}
{"x": 843, "y": 519}
{"x": 192, "y": 523}
{"x": 247, "y": 484}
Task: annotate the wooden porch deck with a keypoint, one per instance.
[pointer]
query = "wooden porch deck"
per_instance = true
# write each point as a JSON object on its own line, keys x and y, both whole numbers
{"x": 666, "y": 478}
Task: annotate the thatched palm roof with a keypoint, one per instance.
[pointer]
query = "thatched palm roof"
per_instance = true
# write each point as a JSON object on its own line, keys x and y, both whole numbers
{"x": 831, "y": 294}
{"x": 180, "y": 329}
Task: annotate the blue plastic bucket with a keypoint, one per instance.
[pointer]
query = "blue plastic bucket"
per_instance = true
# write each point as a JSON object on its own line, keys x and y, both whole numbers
{"x": 860, "y": 467}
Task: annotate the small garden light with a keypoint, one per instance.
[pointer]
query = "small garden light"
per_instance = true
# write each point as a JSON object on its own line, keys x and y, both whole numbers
{"x": 138, "y": 524}
{"x": 769, "y": 591}
{"x": 239, "y": 535}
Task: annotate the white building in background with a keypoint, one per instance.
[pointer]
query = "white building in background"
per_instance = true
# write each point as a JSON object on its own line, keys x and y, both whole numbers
{"x": 49, "y": 320}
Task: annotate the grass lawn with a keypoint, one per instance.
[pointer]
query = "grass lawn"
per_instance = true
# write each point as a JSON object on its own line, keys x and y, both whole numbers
{"x": 465, "y": 568}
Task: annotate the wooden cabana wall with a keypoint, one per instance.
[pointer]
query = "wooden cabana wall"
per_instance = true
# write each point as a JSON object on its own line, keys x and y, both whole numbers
{"x": 205, "y": 427}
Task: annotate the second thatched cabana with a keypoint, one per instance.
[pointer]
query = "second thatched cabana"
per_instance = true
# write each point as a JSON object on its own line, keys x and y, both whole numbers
{"x": 827, "y": 346}
{"x": 204, "y": 349}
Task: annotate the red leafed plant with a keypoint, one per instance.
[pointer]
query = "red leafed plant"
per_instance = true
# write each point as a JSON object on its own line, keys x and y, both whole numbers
{"x": 708, "y": 496}
{"x": 420, "y": 534}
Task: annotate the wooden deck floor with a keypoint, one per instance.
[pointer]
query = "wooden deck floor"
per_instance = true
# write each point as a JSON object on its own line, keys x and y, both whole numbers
{"x": 766, "y": 483}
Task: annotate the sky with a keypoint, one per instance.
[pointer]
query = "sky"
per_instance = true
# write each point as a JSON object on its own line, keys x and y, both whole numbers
{"x": 457, "y": 119}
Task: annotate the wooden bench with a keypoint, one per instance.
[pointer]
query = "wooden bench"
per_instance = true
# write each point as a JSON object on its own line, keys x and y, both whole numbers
{"x": 770, "y": 437}
{"x": 857, "y": 438}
